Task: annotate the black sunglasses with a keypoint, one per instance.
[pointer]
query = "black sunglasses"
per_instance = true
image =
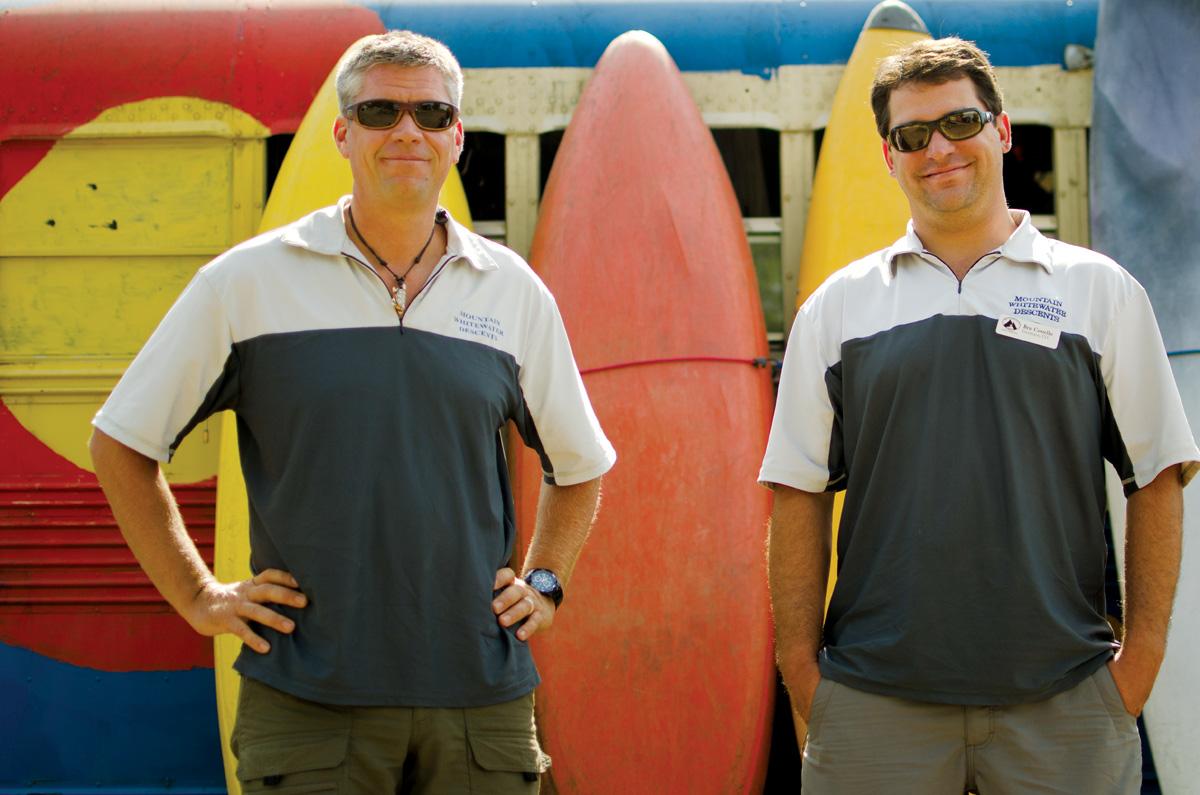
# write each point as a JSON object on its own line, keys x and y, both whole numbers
{"x": 958, "y": 125}
{"x": 384, "y": 114}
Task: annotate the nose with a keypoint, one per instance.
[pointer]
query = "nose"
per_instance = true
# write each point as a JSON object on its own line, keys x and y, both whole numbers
{"x": 939, "y": 145}
{"x": 406, "y": 127}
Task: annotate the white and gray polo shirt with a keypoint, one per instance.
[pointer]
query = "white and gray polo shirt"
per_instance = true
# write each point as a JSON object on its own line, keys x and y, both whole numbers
{"x": 372, "y": 449}
{"x": 968, "y": 424}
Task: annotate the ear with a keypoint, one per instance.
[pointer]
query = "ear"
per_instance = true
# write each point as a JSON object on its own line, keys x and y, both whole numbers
{"x": 887, "y": 157}
{"x": 459, "y": 138}
{"x": 341, "y": 128}
{"x": 1004, "y": 127}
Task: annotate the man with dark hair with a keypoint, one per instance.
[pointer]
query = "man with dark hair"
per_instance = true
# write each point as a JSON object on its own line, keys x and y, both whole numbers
{"x": 964, "y": 387}
{"x": 932, "y": 62}
{"x": 373, "y": 353}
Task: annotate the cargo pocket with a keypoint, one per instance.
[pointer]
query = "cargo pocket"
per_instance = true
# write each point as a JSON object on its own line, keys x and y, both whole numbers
{"x": 303, "y": 762}
{"x": 505, "y": 754}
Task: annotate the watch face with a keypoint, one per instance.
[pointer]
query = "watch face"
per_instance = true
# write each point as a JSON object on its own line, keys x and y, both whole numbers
{"x": 543, "y": 581}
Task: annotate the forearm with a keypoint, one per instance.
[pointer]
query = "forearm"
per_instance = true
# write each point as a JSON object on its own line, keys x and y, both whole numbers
{"x": 564, "y": 518}
{"x": 150, "y": 521}
{"x": 798, "y": 549}
{"x": 1153, "y": 546}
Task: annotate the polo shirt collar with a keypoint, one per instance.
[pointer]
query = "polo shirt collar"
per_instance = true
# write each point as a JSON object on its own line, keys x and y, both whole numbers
{"x": 1025, "y": 244}
{"x": 324, "y": 232}
{"x": 463, "y": 243}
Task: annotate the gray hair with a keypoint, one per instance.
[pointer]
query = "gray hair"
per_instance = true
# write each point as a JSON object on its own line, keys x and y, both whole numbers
{"x": 396, "y": 48}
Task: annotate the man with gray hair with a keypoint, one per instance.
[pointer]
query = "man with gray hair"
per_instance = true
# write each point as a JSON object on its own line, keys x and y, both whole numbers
{"x": 373, "y": 353}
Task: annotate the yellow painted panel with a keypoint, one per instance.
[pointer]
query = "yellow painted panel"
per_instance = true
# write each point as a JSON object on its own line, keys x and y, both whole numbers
{"x": 60, "y": 359}
{"x": 249, "y": 188}
{"x": 98, "y": 240}
{"x": 123, "y": 197}
{"x": 104, "y": 188}
{"x": 86, "y": 306}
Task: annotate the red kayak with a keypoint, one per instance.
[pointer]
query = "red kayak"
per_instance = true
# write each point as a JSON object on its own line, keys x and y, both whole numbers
{"x": 658, "y": 675}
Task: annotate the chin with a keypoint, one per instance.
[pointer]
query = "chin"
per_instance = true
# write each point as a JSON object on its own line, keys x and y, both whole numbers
{"x": 951, "y": 201}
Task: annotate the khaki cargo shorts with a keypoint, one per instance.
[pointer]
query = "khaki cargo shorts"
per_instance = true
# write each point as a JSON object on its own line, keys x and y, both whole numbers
{"x": 288, "y": 745}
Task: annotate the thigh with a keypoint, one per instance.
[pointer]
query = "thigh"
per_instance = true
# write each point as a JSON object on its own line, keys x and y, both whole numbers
{"x": 492, "y": 750}
{"x": 865, "y": 743}
{"x": 287, "y": 745}
{"x": 1081, "y": 740}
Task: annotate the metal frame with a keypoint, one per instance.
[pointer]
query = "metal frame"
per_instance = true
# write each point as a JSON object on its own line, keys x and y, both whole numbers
{"x": 523, "y": 103}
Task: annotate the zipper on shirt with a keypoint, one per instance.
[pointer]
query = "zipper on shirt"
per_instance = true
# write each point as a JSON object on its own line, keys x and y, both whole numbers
{"x": 387, "y": 293}
{"x": 995, "y": 252}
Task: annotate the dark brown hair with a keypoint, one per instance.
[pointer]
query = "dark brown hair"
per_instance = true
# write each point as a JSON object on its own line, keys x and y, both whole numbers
{"x": 933, "y": 61}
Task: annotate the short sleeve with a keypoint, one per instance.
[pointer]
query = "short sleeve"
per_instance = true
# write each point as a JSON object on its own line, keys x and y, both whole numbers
{"x": 558, "y": 421}
{"x": 1144, "y": 399}
{"x": 185, "y": 373}
{"x": 805, "y": 444}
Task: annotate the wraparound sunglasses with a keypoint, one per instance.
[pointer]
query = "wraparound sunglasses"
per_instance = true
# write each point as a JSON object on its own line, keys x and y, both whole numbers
{"x": 958, "y": 125}
{"x": 384, "y": 114}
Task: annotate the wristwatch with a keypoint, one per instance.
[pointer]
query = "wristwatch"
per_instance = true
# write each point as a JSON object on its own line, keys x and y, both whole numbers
{"x": 546, "y": 583}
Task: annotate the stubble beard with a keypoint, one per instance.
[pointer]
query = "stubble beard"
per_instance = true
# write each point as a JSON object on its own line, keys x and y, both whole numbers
{"x": 953, "y": 200}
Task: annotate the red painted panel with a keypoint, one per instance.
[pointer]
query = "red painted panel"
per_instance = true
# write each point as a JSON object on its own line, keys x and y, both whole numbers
{"x": 64, "y": 63}
{"x": 70, "y": 588}
{"x": 130, "y": 638}
{"x": 25, "y": 456}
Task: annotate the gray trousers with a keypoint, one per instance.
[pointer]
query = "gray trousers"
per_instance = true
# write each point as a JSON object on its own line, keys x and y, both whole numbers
{"x": 1080, "y": 741}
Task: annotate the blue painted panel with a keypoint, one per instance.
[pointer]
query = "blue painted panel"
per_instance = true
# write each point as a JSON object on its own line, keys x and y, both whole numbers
{"x": 64, "y": 728}
{"x": 753, "y": 36}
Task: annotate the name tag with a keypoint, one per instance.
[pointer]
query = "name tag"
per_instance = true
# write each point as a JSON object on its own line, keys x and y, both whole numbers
{"x": 1026, "y": 330}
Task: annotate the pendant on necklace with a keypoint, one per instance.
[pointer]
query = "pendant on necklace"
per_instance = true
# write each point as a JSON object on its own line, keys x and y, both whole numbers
{"x": 399, "y": 299}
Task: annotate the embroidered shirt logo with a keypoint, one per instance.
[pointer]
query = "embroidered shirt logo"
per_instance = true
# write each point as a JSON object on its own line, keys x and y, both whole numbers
{"x": 479, "y": 325}
{"x": 1039, "y": 306}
